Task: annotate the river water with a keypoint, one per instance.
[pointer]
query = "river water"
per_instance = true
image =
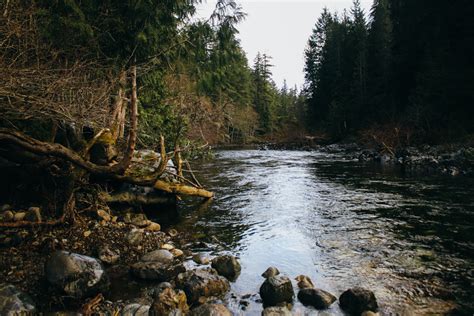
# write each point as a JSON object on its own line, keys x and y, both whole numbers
{"x": 408, "y": 238}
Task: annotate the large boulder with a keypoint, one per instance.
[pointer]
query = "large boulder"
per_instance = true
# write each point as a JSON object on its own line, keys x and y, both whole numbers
{"x": 169, "y": 302}
{"x": 76, "y": 275}
{"x": 15, "y": 302}
{"x": 357, "y": 300}
{"x": 202, "y": 283}
{"x": 227, "y": 266}
{"x": 276, "y": 311}
{"x": 211, "y": 310}
{"x": 317, "y": 298}
{"x": 276, "y": 289}
{"x": 135, "y": 310}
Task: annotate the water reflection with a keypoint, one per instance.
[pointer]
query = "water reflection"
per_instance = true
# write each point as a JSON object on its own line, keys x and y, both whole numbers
{"x": 343, "y": 223}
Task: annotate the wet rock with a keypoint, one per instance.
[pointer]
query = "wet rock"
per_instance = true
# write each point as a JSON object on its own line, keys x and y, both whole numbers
{"x": 304, "y": 282}
{"x": 202, "y": 283}
{"x": 104, "y": 215}
{"x": 156, "y": 271}
{"x": 227, "y": 266}
{"x": 15, "y": 302}
{"x": 19, "y": 216}
{"x": 107, "y": 255}
{"x": 211, "y": 310}
{"x": 271, "y": 271}
{"x": 276, "y": 311}
{"x": 169, "y": 302}
{"x": 160, "y": 255}
{"x": 34, "y": 214}
{"x": 76, "y": 275}
{"x": 357, "y": 300}
{"x": 200, "y": 258}
{"x": 135, "y": 236}
{"x": 177, "y": 252}
{"x": 135, "y": 310}
{"x": 317, "y": 298}
{"x": 153, "y": 227}
{"x": 276, "y": 289}
{"x": 8, "y": 216}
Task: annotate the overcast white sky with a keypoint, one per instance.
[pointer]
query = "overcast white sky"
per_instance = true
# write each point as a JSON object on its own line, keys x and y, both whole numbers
{"x": 281, "y": 29}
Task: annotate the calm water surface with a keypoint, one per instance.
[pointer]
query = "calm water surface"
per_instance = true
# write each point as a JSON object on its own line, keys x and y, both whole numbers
{"x": 408, "y": 238}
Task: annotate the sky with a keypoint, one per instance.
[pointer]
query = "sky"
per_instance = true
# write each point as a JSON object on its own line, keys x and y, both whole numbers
{"x": 281, "y": 30}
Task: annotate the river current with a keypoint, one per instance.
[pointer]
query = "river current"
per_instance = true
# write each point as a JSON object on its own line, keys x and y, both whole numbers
{"x": 407, "y": 237}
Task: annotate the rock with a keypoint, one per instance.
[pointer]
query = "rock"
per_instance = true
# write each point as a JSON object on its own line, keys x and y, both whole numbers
{"x": 8, "y": 216}
{"x": 304, "y": 282}
{"x": 177, "y": 252}
{"x": 135, "y": 310}
{"x": 135, "y": 236}
{"x": 271, "y": 271}
{"x": 358, "y": 300}
{"x": 173, "y": 232}
{"x": 19, "y": 216}
{"x": 227, "y": 266}
{"x": 276, "y": 311}
{"x": 156, "y": 271}
{"x": 167, "y": 246}
{"x": 107, "y": 255}
{"x": 15, "y": 302}
{"x": 160, "y": 255}
{"x": 6, "y": 207}
{"x": 153, "y": 227}
{"x": 139, "y": 220}
{"x": 87, "y": 233}
{"x": 76, "y": 275}
{"x": 34, "y": 214}
{"x": 211, "y": 310}
{"x": 200, "y": 258}
{"x": 370, "y": 313}
{"x": 317, "y": 298}
{"x": 169, "y": 302}
{"x": 276, "y": 289}
{"x": 202, "y": 283}
{"x": 104, "y": 215}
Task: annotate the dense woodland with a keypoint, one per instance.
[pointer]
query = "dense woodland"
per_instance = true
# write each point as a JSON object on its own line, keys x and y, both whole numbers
{"x": 406, "y": 68}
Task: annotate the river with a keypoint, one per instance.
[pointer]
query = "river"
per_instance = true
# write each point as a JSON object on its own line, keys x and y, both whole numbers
{"x": 408, "y": 238}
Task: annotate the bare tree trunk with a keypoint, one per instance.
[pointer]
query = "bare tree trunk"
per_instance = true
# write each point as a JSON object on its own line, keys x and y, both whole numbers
{"x": 118, "y": 116}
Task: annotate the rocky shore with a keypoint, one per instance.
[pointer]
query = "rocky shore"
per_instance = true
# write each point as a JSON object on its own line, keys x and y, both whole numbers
{"x": 125, "y": 265}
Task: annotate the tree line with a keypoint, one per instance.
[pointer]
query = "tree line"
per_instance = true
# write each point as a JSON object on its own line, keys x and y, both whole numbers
{"x": 408, "y": 64}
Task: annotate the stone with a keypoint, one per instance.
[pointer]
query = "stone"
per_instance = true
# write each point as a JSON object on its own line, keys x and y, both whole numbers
{"x": 76, "y": 275}
{"x": 370, "y": 313}
{"x": 317, "y": 298}
{"x": 304, "y": 282}
{"x": 167, "y": 246}
{"x": 277, "y": 289}
{"x": 173, "y": 232}
{"x": 200, "y": 258}
{"x": 153, "y": 227}
{"x": 358, "y": 300}
{"x": 227, "y": 266}
{"x": 87, "y": 233}
{"x": 276, "y": 311}
{"x": 8, "y": 216}
{"x": 211, "y": 310}
{"x": 271, "y": 271}
{"x": 177, "y": 252}
{"x": 135, "y": 310}
{"x": 135, "y": 236}
{"x": 14, "y": 302}
{"x": 202, "y": 283}
{"x": 19, "y": 216}
{"x": 107, "y": 255}
{"x": 169, "y": 302}
{"x": 156, "y": 271}
{"x": 34, "y": 214}
{"x": 104, "y": 215}
{"x": 139, "y": 220}
{"x": 160, "y": 255}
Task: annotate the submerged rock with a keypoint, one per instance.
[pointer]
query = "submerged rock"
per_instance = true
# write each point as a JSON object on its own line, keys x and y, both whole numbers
{"x": 15, "y": 302}
{"x": 202, "y": 283}
{"x": 227, "y": 266}
{"x": 276, "y": 289}
{"x": 358, "y": 300}
{"x": 76, "y": 275}
{"x": 276, "y": 311}
{"x": 169, "y": 302}
{"x": 135, "y": 310}
{"x": 271, "y": 271}
{"x": 317, "y": 298}
{"x": 211, "y": 310}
